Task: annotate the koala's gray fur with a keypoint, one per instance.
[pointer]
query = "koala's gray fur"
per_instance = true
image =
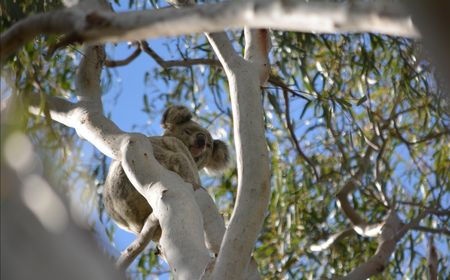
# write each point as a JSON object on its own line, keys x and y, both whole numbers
{"x": 184, "y": 148}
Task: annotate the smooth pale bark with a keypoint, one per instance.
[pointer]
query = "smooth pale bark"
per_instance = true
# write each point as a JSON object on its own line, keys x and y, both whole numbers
{"x": 96, "y": 26}
{"x": 245, "y": 79}
{"x": 149, "y": 229}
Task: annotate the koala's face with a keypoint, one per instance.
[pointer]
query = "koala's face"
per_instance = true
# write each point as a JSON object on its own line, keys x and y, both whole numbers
{"x": 209, "y": 153}
{"x": 196, "y": 138}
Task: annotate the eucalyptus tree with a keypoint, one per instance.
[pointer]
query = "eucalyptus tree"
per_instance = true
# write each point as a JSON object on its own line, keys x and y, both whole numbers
{"x": 341, "y": 140}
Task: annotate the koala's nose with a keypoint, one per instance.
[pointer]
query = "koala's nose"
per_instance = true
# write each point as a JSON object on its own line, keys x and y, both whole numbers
{"x": 201, "y": 139}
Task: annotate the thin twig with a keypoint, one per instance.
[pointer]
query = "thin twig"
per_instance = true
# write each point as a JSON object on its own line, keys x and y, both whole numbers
{"x": 294, "y": 137}
{"x": 444, "y": 231}
{"x": 331, "y": 240}
{"x": 433, "y": 260}
{"x": 123, "y": 62}
{"x": 177, "y": 63}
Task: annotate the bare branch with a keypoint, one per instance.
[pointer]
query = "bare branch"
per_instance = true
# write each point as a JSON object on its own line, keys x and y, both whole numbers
{"x": 432, "y": 21}
{"x": 433, "y": 259}
{"x": 104, "y": 26}
{"x": 177, "y": 63}
{"x": 257, "y": 48}
{"x": 331, "y": 240}
{"x": 224, "y": 50}
{"x": 60, "y": 109}
{"x": 126, "y": 61}
{"x": 432, "y": 230}
{"x": 294, "y": 137}
{"x": 88, "y": 75}
{"x": 431, "y": 210}
{"x": 392, "y": 232}
{"x": 405, "y": 228}
{"x": 147, "y": 233}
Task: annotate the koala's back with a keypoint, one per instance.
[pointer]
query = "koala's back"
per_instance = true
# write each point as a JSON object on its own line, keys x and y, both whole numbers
{"x": 124, "y": 203}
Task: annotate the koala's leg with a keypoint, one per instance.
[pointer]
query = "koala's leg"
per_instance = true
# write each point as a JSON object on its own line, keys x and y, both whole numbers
{"x": 180, "y": 164}
{"x": 213, "y": 223}
{"x": 175, "y": 156}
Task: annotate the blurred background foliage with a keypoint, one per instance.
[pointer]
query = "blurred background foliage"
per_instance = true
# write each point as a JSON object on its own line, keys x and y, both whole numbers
{"x": 332, "y": 103}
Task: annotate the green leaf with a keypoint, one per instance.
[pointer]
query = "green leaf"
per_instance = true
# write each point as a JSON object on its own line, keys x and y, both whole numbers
{"x": 362, "y": 100}
{"x": 307, "y": 104}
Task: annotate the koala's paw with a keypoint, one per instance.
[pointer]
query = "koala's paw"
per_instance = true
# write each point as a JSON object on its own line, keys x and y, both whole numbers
{"x": 175, "y": 115}
{"x": 220, "y": 157}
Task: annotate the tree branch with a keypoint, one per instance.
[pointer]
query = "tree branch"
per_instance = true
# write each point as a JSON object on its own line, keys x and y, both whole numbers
{"x": 433, "y": 260}
{"x": 104, "y": 26}
{"x": 294, "y": 137}
{"x": 148, "y": 231}
{"x": 126, "y": 61}
{"x": 244, "y": 78}
{"x": 444, "y": 231}
{"x": 177, "y": 63}
{"x": 331, "y": 240}
{"x": 60, "y": 109}
{"x": 88, "y": 76}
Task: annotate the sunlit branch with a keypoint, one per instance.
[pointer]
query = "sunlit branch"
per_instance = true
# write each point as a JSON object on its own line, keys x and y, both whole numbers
{"x": 147, "y": 233}
{"x": 104, "y": 26}
{"x": 323, "y": 245}
{"x": 59, "y": 109}
{"x": 244, "y": 78}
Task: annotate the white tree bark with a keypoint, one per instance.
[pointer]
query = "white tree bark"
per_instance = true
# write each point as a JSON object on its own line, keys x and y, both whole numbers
{"x": 83, "y": 24}
{"x": 245, "y": 77}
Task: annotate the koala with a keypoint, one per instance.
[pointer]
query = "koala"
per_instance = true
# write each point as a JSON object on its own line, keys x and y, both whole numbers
{"x": 184, "y": 148}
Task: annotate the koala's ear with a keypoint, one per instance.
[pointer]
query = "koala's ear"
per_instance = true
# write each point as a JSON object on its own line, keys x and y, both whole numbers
{"x": 175, "y": 115}
{"x": 220, "y": 157}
